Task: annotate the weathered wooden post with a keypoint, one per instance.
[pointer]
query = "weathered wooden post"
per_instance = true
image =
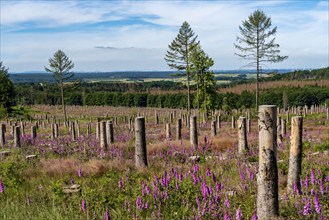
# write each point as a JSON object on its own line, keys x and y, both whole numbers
{"x": 102, "y": 137}
{"x": 22, "y": 127}
{"x": 219, "y": 121}
{"x": 2, "y": 135}
{"x": 88, "y": 129}
{"x": 17, "y": 136}
{"x": 140, "y": 144}
{"x": 296, "y": 150}
{"x": 109, "y": 132}
{"x": 33, "y": 132}
{"x": 168, "y": 131}
{"x": 193, "y": 132}
{"x": 179, "y": 129}
{"x": 73, "y": 133}
{"x": 267, "y": 177}
{"x": 233, "y": 122}
{"x": 249, "y": 125}
{"x": 283, "y": 127}
{"x": 52, "y": 131}
{"x": 56, "y": 130}
{"x": 242, "y": 135}
{"x": 98, "y": 129}
{"x": 77, "y": 128}
{"x": 213, "y": 128}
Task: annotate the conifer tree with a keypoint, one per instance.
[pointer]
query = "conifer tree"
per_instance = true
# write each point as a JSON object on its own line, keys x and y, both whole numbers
{"x": 256, "y": 43}
{"x": 179, "y": 55}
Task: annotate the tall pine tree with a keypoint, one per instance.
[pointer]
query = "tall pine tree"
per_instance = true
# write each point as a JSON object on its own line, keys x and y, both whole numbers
{"x": 256, "y": 43}
{"x": 179, "y": 55}
{"x": 60, "y": 65}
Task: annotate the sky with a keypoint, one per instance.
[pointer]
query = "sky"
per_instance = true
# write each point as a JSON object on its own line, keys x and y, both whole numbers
{"x": 134, "y": 35}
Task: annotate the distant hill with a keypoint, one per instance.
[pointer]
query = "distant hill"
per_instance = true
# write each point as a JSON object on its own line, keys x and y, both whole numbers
{"x": 39, "y": 76}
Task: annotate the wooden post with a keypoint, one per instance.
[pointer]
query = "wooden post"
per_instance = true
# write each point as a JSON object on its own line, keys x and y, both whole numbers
{"x": 17, "y": 136}
{"x": 168, "y": 131}
{"x": 213, "y": 128}
{"x": 233, "y": 122}
{"x": 77, "y": 128}
{"x": 73, "y": 133}
{"x": 193, "y": 132}
{"x": 2, "y": 135}
{"x": 102, "y": 137}
{"x": 97, "y": 130}
{"x": 296, "y": 150}
{"x": 179, "y": 129}
{"x": 33, "y": 132}
{"x": 88, "y": 129}
{"x": 56, "y": 130}
{"x": 283, "y": 127}
{"x": 219, "y": 121}
{"x": 242, "y": 135}
{"x": 249, "y": 125}
{"x": 267, "y": 177}
{"x": 109, "y": 132}
{"x": 52, "y": 131}
{"x": 140, "y": 144}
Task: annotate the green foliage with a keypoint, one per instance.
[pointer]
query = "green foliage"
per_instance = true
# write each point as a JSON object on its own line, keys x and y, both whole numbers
{"x": 7, "y": 91}
{"x": 256, "y": 42}
{"x": 179, "y": 54}
{"x": 204, "y": 78}
{"x": 322, "y": 147}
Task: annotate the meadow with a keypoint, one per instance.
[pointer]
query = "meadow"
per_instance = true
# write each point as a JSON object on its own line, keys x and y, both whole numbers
{"x": 49, "y": 177}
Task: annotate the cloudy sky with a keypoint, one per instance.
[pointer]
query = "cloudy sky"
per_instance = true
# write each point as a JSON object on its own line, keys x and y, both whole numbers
{"x": 134, "y": 35}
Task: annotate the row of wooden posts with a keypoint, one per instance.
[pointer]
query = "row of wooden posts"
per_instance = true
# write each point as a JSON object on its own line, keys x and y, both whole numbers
{"x": 267, "y": 176}
{"x": 270, "y": 128}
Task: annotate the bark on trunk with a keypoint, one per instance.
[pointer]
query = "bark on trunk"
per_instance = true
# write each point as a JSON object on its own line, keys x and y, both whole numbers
{"x": 140, "y": 144}
{"x": 267, "y": 177}
{"x": 296, "y": 151}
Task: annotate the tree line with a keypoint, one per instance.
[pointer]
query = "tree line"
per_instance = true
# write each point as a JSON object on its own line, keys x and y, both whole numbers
{"x": 27, "y": 94}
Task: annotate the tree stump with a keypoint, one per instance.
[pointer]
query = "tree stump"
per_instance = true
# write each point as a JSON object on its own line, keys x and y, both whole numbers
{"x": 267, "y": 177}
{"x": 140, "y": 143}
{"x": 296, "y": 150}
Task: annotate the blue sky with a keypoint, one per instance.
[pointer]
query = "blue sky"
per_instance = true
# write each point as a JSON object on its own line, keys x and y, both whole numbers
{"x": 134, "y": 35}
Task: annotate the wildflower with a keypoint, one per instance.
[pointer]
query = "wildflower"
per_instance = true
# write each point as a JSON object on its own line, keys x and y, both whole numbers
{"x": 83, "y": 205}
{"x": 79, "y": 172}
{"x": 227, "y": 202}
{"x": 107, "y": 214}
{"x": 226, "y": 216}
{"x": 307, "y": 208}
{"x": 120, "y": 183}
{"x": 238, "y": 214}
{"x": 208, "y": 173}
{"x": 317, "y": 204}
{"x": 28, "y": 200}
{"x": 2, "y": 188}
{"x": 306, "y": 181}
{"x": 71, "y": 181}
{"x": 254, "y": 216}
{"x": 139, "y": 203}
{"x": 313, "y": 178}
{"x": 321, "y": 187}
{"x": 196, "y": 168}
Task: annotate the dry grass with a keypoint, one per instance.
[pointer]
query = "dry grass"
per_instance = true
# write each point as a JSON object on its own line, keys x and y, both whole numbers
{"x": 274, "y": 84}
{"x": 94, "y": 167}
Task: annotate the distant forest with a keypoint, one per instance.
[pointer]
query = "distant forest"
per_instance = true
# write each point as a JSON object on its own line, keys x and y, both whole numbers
{"x": 155, "y": 94}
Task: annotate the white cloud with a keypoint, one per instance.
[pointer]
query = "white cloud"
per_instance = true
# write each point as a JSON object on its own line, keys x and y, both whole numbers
{"x": 302, "y": 32}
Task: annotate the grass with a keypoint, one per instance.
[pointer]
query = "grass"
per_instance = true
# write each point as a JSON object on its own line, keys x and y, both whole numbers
{"x": 172, "y": 187}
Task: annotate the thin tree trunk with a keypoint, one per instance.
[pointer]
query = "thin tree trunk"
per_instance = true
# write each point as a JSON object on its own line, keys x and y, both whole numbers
{"x": 63, "y": 103}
